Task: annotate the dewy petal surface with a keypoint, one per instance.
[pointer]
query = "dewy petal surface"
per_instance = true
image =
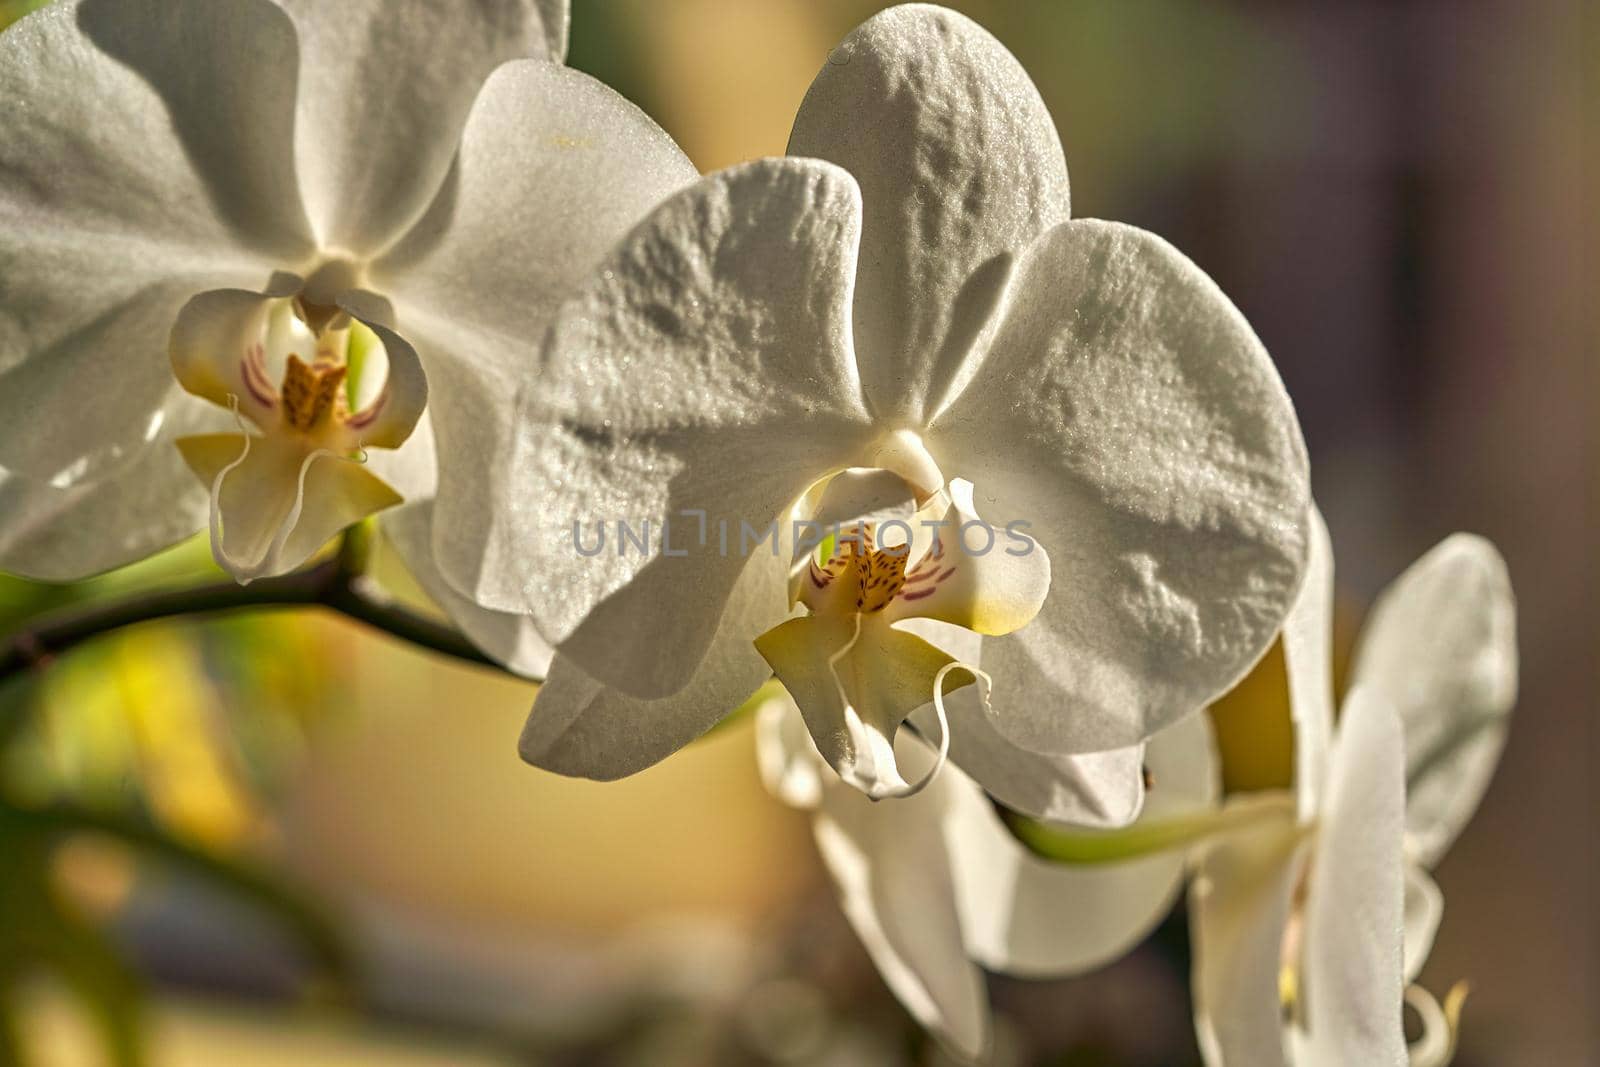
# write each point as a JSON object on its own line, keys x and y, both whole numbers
{"x": 510, "y": 640}
{"x": 959, "y": 164}
{"x": 54, "y": 534}
{"x": 1239, "y": 904}
{"x": 1441, "y": 646}
{"x": 385, "y": 86}
{"x": 145, "y": 155}
{"x": 1308, "y": 655}
{"x": 1024, "y": 915}
{"x": 1127, "y": 412}
{"x": 1351, "y": 958}
{"x": 705, "y": 366}
{"x": 893, "y": 869}
{"x": 481, "y": 274}
{"x": 583, "y": 728}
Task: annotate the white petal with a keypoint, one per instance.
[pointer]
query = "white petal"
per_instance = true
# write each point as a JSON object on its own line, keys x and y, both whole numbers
{"x": 856, "y": 679}
{"x": 892, "y": 868}
{"x": 275, "y": 502}
{"x": 705, "y": 368}
{"x": 1308, "y": 654}
{"x": 791, "y": 767}
{"x": 1441, "y": 646}
{"x": 1096, "y": 789}
{"x": 1239, "y": 905}
{"x": 1424, "y": 908}
{"x": 1127, "y": 412}
{"x": 1351, "y": 969}
{"x": 1028, "y": 916}
{"x": 510, "y": 640}
{"x": 554, "y": 169}
{"x": 144, "y": 156}
{"x": 384, "y": 88}
{"x": 65, "y": 534}
{"x": 582, "y": 728}
{"x": 958, "y": 163}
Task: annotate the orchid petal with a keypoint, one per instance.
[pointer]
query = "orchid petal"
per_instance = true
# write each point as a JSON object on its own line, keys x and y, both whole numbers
{"x": 791, "y": 767}
{"x": 716, "y": 328}
{"x": 1239, "y": 905}
{"x": 1127, "y": 412}
{"x": 481, "y": 274}
{"x": 1424, "y": 907}
{"x": 856, "y": 679}
{"x": 510, "y": 640}
{"x": 974, "y": 576}
{"x": 274, "y": 502}
{"x": 1096, "y": 789}
{"x": 1441, "y": 646}
{"x": 959, "y": 164}
{"x": 52, "y": 534}
{"x": 1351, "y": 965}
{"x": 1027, "y": 916}
{"x": 1308, "y": 654}
{"x": 893, "y": 870}
{"x": 385, "y": 87}
{"x": 582, "y": 728}
{"x": 144, "y": 156}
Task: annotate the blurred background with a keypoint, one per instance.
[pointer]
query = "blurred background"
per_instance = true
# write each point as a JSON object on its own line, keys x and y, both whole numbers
{"x": 282, "y": 839}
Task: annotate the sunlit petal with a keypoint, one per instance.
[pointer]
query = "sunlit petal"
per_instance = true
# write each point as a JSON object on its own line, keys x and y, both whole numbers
{"x": 1128, "y": 413}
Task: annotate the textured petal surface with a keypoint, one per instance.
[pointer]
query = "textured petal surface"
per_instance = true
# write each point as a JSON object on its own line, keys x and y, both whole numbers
{"x": 1351, "y": 966}
{"x": 510, "y": 640}
{"x": 1028, "y": 916}
{"x": 385, "y": 86}
{"x": 959, "y": 164}
{"x": 1239, "y": 904}
{"x": 1127, "y": 412}
{"x": 893, "y": 869}
{"x": 63, "y": 534}
{"x": 1308, "y": 653}
{"x": 583, "y": 728}
{"x": 705, "y": 368}
{"x": 1441, "y": 647}
{"x": 145, "y": 155}
{"x": 554, "y": 168}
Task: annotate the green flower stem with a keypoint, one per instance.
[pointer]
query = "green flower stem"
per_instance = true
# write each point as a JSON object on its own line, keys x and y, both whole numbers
{"x": 340, "y": 584}
{"x": 1150, "y": 836}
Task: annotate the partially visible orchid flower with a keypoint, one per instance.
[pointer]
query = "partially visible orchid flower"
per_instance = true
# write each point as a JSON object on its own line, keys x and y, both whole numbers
{"x": 285, "y": 238}
{"x": 938, "y": 889}
{"x": 907, "y": 308}
{"x": 1332, "y": 917}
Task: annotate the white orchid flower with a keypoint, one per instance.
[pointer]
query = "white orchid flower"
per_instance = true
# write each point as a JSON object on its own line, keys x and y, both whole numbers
{"x": 938, "y": 889}
{"x": 1335, "y": 912}
{"x": 285, "y": 237}
{"x": 913, "y": 306}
